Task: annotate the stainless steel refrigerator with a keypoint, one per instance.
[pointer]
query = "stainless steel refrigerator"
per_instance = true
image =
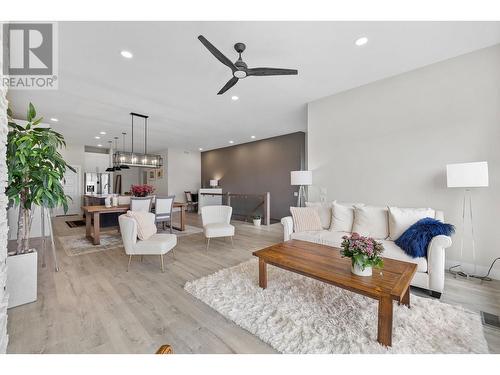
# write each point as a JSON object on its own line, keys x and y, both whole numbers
{"x": 97, "y": 183}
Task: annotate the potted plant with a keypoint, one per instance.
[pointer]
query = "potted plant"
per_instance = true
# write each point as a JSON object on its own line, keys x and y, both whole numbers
{"x": 364, "y": 253}
{"x": 35, "y": 169}
{"x": 141, "y": 190}
{"x": 256, "y": 220}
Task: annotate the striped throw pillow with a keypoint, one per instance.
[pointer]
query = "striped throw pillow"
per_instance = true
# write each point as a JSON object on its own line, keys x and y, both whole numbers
{"x": 305, "y": 219}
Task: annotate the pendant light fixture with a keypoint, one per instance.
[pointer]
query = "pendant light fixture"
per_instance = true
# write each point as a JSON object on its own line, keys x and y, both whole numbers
{"x": 117, "y": 166}
{"x": 122, "y": 158}
{"x": 134, "y": 159}
{"x": 112, "y": 168}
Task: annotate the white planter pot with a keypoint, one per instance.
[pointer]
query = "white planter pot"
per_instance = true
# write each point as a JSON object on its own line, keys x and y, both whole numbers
{"x": 256, "y": 222}
{"x": 22, "y": 278}
{"x": 355, "y": 269}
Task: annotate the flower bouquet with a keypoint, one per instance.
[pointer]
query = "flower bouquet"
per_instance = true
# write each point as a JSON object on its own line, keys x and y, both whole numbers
{"x": 141, "y": 190}
{"x": 364, "y": 253}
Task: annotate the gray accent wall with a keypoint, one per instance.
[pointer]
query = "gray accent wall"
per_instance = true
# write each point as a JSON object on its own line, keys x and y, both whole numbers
{"x": 258, "y": 167}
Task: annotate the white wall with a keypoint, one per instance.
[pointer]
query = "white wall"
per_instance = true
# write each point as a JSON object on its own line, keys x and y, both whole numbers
{"x": 388, "y": 142}
{"x": 161, "y": 184}
{"x": 183, "y": 172}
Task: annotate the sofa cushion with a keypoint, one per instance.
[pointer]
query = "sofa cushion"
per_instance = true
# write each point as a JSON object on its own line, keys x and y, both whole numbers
{"x": 324, "y": 210}
{"x": 400, "y": 219}
{"x": 393, "y": 251}
{"x": 324, "y": 237}
{"x": 305, "y": 219}
{"x": 415, "y": 240}
{"x": 343, "y": 216}
{"x": 371, "y": 221}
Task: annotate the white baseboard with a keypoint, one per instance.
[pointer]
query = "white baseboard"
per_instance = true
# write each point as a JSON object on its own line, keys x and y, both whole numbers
{"x": 480, "y": 270}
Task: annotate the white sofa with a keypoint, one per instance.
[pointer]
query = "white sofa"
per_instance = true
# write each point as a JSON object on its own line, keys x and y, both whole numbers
{"x": 430, "y": 269}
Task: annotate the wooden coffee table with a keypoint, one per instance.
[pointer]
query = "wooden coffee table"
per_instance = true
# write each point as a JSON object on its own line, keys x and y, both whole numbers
{"x": 324, "y": 263}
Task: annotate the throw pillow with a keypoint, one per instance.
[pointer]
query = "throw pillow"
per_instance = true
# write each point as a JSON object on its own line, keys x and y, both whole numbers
{"x": 415, "y": 240}
{"x": 343, "y": 216}
{"x": 145, "y": 223}
{"x": 305, "y": 219}
{"x": 324, "y": 210}
{"x": 400, "y": 219}
{"x": 371, "y": 221}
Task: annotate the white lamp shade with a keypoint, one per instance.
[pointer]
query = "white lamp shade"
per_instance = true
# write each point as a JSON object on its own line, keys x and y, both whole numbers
{"x": 467, "y": 175}
{"x": 214, "y": 182}
{"x": 301, "y": 177}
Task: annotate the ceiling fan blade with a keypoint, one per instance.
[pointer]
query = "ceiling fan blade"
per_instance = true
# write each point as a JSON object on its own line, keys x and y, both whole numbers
{"x": 228, "y": 85}
{"x": 271, "y": 72}
{"x": 218, "y": 54}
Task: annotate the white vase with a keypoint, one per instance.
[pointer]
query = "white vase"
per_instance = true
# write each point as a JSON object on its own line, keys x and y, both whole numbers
{"x": 107, "y": 201}
{"x": 22, "y": 278}
{"x": 355, "y": 269}
{"x": 256, "y": 222}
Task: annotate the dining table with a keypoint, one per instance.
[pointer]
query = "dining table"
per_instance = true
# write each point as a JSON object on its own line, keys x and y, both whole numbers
{"x": 93, "y": 218}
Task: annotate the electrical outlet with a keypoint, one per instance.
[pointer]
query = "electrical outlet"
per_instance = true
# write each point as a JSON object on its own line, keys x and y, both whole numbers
{"x": 295, "y": 193}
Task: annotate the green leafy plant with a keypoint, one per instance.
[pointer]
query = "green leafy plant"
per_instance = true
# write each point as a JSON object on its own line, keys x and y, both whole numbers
{"x": 36, "y": 170}
{"x": 363, "y": 251}
{"x": 257, "y": 217}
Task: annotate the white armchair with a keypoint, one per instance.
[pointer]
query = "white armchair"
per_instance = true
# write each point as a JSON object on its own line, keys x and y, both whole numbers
{"x": 158, "y": 244}
{"x": 215, "y": 220}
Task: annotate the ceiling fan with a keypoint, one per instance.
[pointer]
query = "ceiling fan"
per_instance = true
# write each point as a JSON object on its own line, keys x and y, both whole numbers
{"x": 239, "y": 67}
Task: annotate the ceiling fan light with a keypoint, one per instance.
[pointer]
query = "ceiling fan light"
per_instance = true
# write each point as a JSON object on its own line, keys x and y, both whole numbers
{"x": 240, "y": 74}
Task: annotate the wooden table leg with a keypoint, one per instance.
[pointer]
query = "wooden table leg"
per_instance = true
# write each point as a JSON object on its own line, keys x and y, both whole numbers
{"x": 88, "y": 224}
{"x": 406, "y": 298}
{"x": 183, "y": 219}
{"x": 385, "y": 321}
{"x": 262, "y": 274}
{"x": 97, "y": 229}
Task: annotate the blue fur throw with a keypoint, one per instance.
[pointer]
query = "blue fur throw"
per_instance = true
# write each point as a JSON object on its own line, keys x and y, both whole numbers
{"x": 415, "y": 240}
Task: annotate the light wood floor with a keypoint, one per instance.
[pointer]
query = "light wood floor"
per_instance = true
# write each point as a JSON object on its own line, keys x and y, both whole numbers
{"x": 93, "y": 306}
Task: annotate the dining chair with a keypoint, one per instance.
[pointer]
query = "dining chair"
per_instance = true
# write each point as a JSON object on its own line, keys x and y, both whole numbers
{"x": 141, "y": 204}
{"x": 163, "y": 210}
{"x": 190, "y": 202}
{"x": 215, "y": 220}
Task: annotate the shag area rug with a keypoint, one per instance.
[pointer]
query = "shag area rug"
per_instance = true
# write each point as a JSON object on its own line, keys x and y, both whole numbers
{"x": 297, "y": 314}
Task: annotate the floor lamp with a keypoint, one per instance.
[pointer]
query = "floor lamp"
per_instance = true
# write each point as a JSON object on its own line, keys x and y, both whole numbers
{"x": 467, "y": 176}
{"x": 301, "y": 178}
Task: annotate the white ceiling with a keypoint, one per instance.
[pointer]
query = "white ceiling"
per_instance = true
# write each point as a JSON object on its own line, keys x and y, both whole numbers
{"x": 174, "y": 79}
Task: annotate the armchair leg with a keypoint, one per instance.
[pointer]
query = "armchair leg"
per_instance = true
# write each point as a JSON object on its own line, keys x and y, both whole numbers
{"x": 173, "y": 254}
{"x": 142, "y": 258}
{"x": 129, "y": 259}
{"x": 208, "y": 243}
{"x": 170, "y": 226}
{"x": 161, "y": 258}
{"x": 232, "y": 242}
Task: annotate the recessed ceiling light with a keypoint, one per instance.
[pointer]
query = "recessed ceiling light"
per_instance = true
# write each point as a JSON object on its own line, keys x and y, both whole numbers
{"x": 361, "y": 41}
{"x": 53, "y": 119}
{"x": 97, "y": 137}
{"x": 200, "y": 149}
{"x": 127, "y": 54}
{"x": 253, "y": 137}
{"x": 234, "y": 98}
{"x": 231, "y": 142}
{"x": 99, "y": 145}
{"x": 102, "y": 133}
